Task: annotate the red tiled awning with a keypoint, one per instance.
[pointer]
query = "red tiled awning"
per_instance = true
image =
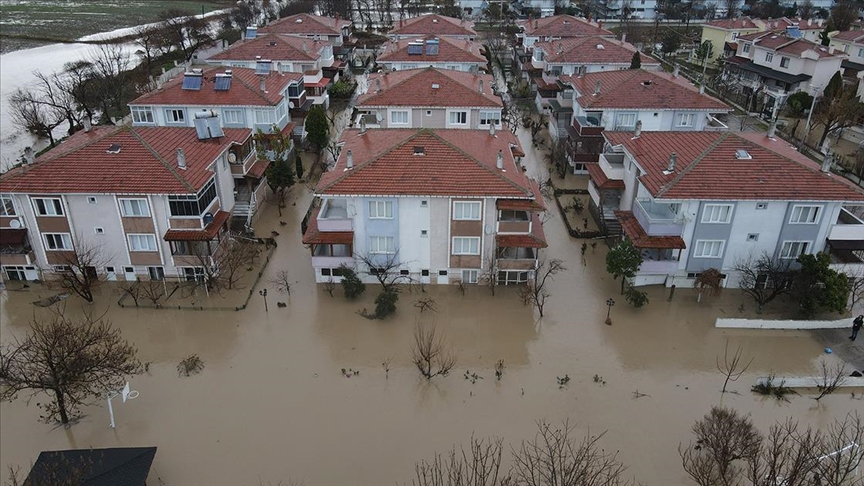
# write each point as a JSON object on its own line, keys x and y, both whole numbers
{"x": 258, "y": 168}
{"x": 315, "y": 236}
{"x": 535, "y": 239}
{"x": 633, "y": 229}
{"x": 600, "y": 180}
{"x": 289, "y": 129}
{"x": 536, "y": 204}
{"x": 322, "y": 83}
{"x": 13, "y": 237}
{"x": 206, "y": 234}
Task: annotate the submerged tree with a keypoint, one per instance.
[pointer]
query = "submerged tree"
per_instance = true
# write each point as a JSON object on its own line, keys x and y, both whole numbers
{"x": 623, "y": 260}
{"x": 431, "y": 353}
{"x": 317, "y": 129}
{"x": 80, "y": 268}
{"x": 763, "y": 278}
{"x": 69, "y": 360}
{"x": 709, "y": 281}
{"x": 819, "y": 288}
{"x": 535, "y": 292}
{"x": 732, "y": 367}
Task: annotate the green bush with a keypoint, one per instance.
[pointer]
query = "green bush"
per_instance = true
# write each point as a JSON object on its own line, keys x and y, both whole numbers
{"x": 351, "y": 283}
{"x": 636, "y": 297}
{"x": 342, "y": 90}
{"x": 385, "y": 303}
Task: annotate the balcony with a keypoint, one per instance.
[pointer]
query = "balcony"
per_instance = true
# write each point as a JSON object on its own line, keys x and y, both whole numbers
{"x": 613, "y": 166}
{"x": 848, "y": 227}
{"x": 658, "y": 267}
{"x": 371, "y": 120}
{"x": 334, "y": 216}
{"x": 715, "y": 125}
{"x": 515, "y": 258}
{"x": 242, "y": 162}
{"x": 657, "y": 219}
{"x": 587, "y": 127}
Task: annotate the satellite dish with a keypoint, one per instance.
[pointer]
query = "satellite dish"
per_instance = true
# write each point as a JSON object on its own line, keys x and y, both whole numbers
{"x": 378, "y": 117}
{"x": 291, "y": 105}
{"x": 14, "y": 223}
{"x": 232, "y": 157}
{"x": 208, "y": 218}
{"x": 488, "y": 229}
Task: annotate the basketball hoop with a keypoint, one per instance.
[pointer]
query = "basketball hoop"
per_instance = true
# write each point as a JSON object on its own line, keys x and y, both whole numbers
{"x": 126, "y": 394}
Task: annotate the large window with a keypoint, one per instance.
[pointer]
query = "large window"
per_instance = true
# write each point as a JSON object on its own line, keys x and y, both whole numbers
{"x": 142, "y": 114}
{"x": 295, "y": 90}
{"x": 746, "y": 48}
{"x": 685, "y": 120}
{"x": 470, "y": 276}
{"x": 512, "y": 215}
{"x": 264, "y": 117}
{"x": 193, "y": 205}
{"x": 784, "y": 62}
{"x": 717, "y": 213}
{"x": 512, "y": 277}
{"x": 380, "y": 209}
{"x": 193, "y": 248}
{"x": 466, "y": 245}
{"x": 399, "y": 117}
{"x": 134, "y": 207}
{"x": 7, "y": 206}
{"x": 232, "y": 117}
{"x": 708, "y": 249}
{"x": 626, "y": 120}
{"x": 48, "y": 206}
{"x": 805, "y": 215}
{"x": 794, "y": 249}
{"x": 466, "y": 211}
{"x": 58, "y": 241}
{"x": 769, "y": 57}
{"x": 175, "y": 116}
{"x": 458, "y": 117}
{"x": 142, "y": 242}
{"x": 490, "y": 118}
{"x": 280, "y": 111}
{"x": 382, "y": 245}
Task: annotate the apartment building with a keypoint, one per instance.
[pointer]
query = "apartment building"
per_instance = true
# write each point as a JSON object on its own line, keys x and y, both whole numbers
{"x": 697, "y": 200}
{"x": 154, "y": 202}
{"x": 430, "y": 98}
{"x": 434, "y": 25}
{"x": 431, "y": 51}
{"x": 331, "y": 29}
{"x": 558, "y": 27}
{"x": 446, "y": 205}
{"x": 723, "y": 34}
{"x": 851, "y": 43}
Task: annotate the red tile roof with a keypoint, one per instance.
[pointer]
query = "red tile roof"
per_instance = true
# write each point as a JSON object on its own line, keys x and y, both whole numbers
{"x": 273, "y": 47}
{"x": 535, "y": 239}
{"x": 600, "y": 180}
{"x": 434, "y": 24}
{"x": 707, "y": 168}
{"x": 563, "y": 26}
{"x": 245, "y": 90}
{"x": 455, "y": 163}
{"x": 206, "y": 234}
{"x": 591, "y": 50}
{"x": 537, "y": 204}
{"x": 430, "y": 87}
{"x": 305, "y": 24}
{"x": 780, "y": 42}
{"x": 315, "y": 236}
{"x": 639, "y": 89}
{"x": 741, "y": 23}
{"x": 634, "y": 231}
{"x": 449, "y": 50}
{"x": 146, "y": 163}
{"x": 258, "y": 168}
{"x": 849, "y": 36}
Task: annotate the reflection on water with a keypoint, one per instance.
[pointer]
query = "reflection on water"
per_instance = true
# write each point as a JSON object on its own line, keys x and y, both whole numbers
{"x": 272, "y": 404}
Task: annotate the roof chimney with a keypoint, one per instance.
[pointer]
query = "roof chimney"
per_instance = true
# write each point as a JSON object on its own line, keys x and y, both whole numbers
{"x": 362, "y": 125}
{"x": 673, "y": 157}
{"x": 492, "y": 129}
{"x": 597, "y": 87}
{"x": 827, "y": 162}
{"x": 86, "y": 123}
{"x": 536, "y": 23}
{"x": 262, "y": 83}
{"x": 675, "y": 71}
{"x": 500, "y": 161}
{"x": 349, "y": 160}
{"x": 624, "y": 37}
{"x": 480, "y": 86}
{"x": 378, "y": 84}
{"x": 771, "y": 129}
{"x": 181, "y": 159}
{"x": 29, "y": 156}
{"x": 638, "y": 131}
{"x": 701, "y": 87}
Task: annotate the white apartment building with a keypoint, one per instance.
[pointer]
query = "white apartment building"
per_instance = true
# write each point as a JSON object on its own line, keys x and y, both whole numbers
{"x": 850, "y": 43}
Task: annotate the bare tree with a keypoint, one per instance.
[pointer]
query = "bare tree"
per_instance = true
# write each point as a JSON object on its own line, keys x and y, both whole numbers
{"x": 70, "y": 360}
{"x": 731, "y": 367}
{"x": 431, "y": 353}
{"x": 385, "y": 268}
{"x": 841, "y": 459}
{"x": 724, "y": 440}
{"x": 535, "y": 293}
{"x": 763, "y": 278}
{"x": 786, "y": 456}
{"x": 489, "y": 273}
{"x": 225, "y": 265}
{"x": 35, "y": 117}
{"x": 132, "y": 288}
{"x": 708, "y": 281}
{"x": 480, "y": 465}
{"x": 282, "y": 282}
{"x": 840, "y": 111}
{"x": 186, "y": 33}
{"x": 557, "y": 156}
{"x": 831, "y": 377}
{"x": 731, "y": 7}
{"x": 81, "y": 266}
{"x": 110, "y": 67}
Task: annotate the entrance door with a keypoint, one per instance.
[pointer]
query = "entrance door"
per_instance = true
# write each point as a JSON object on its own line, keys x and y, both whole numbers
{"x": 110, "y": 274}
{"x": 90, "y": 273}
{"x": 442, "y": 277}
{"x": 129, "y": 274}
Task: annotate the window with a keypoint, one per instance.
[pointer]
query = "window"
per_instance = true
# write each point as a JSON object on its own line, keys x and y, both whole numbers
{"x": 424, "y": 233}
{"x": 685, "y": 120}
{"x": 331, "y": 272}
{"x": 62, "y": 268}
{"x": 466, "y": 245}
{"x": 175, "y": 116}
{"x": 294, "y": 91}
{"x": 142, "y": 242}
{"x": 196, "y": 248}
{"x": 428, "y": 112}
{"x": 861, "y": 52}
{"x": 490, "y": 118}
{"x": 48, "y": 207}
{"x": 708, "y": 249}
{"x": 109, "y": 270}
{"x": 469, "y": 276}
{"x": 466, "y": 211}
{"x": 399, "y": 117}
{"x": 746, "y": 48}
{"x": 134, "y": 208}
{"x": 458, "y": 117}
{"x": 264, "y": 117}
{"x": 442, "y": 273}
{"x": 753, "y": 237}
{"x": 626, "y": 120}
{"x": 761, "y": 206}
{"x": 512, "y": 215}
{"x": 424, "y": 273}
{"x": 99, "y": 230}
{"x": 380, "y": 209}
{"x": 58, "y": 241}
{"x": 193, "y": 205}
{"x": 784, "y": 62}
{"x": 141, "y": 114}
{"x": 7, "y": 206}
{"x": 512, "y": 277}
{"x": 717, "y": 213}
{"x": 234, "y": 117}
{"x": 424, "y": 203}
{"x": 804, "y": 215}
{"x": 280, "y": 111}
{"x": 382, "y": 245}
{"x": 794, "y": 249}
{"x": 734, "y": 35}
{"x": 769, "y": 57}
{"x": 91, "y": 200}
{"x": 404, "y": 272}
{"x": 156, "y": 273}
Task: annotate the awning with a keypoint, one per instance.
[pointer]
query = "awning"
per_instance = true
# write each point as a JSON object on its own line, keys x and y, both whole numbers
{"x": 258, "y": 168}
{"x": 535, "y": 239}
{"x": 631, "y": 227}
{"x": 536, "y": 204}
{"x": 730, "y": 46}
{"x": 854, "y": 66}
{"x": 206, "y": 234}
{"x": 314, "y": 236}
{"x": 847, "y": 244}
{"x": 322, "y": 83}
{"x": 767, "y": 72}
{"x": 600, "y": 180}
{"x": 13, "y": 237}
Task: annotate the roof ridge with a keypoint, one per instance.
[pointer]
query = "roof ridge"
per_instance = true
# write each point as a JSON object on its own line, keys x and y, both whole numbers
{"x": 411, "y": 76}
{"x": 360, "y": 167}
{"x": 527, "y": 191}
{"x": 669, "y": 185}
{"x": 254, "y": 91}
{"x": 59, "y": 153}
{"x": 164, "y": 162}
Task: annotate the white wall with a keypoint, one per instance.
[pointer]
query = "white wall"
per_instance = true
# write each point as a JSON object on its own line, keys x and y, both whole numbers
{"x": 105, "y": 214}
{"x": 439, "y": 234}
{"x": 414, "y": 248}
{"x": 767, "y": 223}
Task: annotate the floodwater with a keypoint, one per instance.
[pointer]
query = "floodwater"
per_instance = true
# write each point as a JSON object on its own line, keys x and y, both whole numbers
{"x": 271, "y": 403}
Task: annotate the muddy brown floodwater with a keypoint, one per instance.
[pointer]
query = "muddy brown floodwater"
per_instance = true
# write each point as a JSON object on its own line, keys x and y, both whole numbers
{"x": 271, "y": 403}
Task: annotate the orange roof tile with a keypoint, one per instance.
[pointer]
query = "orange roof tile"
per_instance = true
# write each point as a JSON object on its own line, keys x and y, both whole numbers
{"x": 434, "y": 24}
{"x": 304, "y": 24}
{"x": 449, "y": 50}
{"x": 741, "y": 23}
{"x": 563, "y": 26}
{"x": 454, "y": 163}
{"x": 591, "y": 50}
{"x": 535, "y": 239}
{"x": 639, "y": 89}
{"x": 707, "y": 168}
{"x": 245, "y": 90}
{"x": 430, "y": 87}
{"x": 631, "y": 227}
{"x": 780, "y": 42}
{"x": 146, "y": 163}
{"x": 596, "y": 174}
{"x": 850, "y": 36}
{"x": 273, "y": 47}
{"x": 315, "y": 236}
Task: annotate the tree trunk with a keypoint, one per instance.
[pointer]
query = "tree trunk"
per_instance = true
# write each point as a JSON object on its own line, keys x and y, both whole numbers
{"x": 623, "y": 279}
{"x": 61, "y": 406}
{"x": 824, "y": 136}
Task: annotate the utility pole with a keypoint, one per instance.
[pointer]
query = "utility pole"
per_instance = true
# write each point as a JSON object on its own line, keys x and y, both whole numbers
{"x": 809, "y": 116}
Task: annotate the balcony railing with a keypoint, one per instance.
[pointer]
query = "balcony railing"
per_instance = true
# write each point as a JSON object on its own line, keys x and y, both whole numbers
{"x": 657, "y": 219}
{"x": 715, "y": 125}
{"x": 658, "y": 267}
{"x": 613, "y": 166}
{"x": 334, "y": 216}
{"x": 848, "y": 227}
{"x": 587, "y": 127}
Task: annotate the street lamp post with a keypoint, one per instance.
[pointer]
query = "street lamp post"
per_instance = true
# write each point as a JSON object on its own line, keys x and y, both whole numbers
{"x": 609, "y": 304}
{"x": 263, "y": 293}
{"x": 809, "y": 116}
